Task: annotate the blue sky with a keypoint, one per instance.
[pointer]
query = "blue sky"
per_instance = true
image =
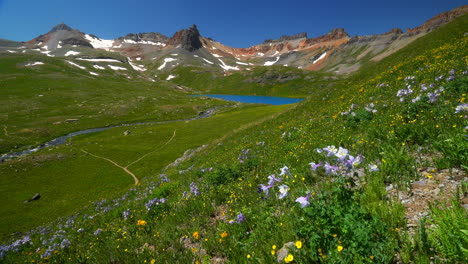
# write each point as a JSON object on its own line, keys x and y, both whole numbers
{"x": 239, "y": 23}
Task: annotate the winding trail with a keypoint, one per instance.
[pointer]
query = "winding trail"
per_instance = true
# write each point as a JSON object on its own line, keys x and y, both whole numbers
{"x": 135, "y": 178}
{"x": 116, "y": 164}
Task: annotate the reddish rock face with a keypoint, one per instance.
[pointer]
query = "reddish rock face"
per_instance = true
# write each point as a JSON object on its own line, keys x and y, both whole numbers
{"x": 188, "y": 39}
{"x": 439, "y": 20}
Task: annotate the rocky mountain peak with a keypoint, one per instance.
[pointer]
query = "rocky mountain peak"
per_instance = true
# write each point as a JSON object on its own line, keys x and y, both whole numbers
{"x": 188, "y": 39}
{"x": 394, "y": 31}
{"x": 287, "y": 38}
{"x": 61, "y": 26}
{"x": 337, "y": 33}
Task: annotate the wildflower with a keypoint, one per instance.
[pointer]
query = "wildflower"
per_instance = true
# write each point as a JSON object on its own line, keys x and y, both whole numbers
{"x": 285, "y": 171}
{"x": 339, "y": 248}
{"x": 416, "y": 99}
{"x": 330, "y": 169}
{"x": 461, "y": 108}
{"x": 80, "y": 230}
{"x": 163, "y": 178}
{"x": 248, "y": 255}
{"x": 65, "y": 243}
{"x": 153, "y": 261}
{"x": 304, "y": 200}
{"x": 224, "y": 234}
{"x": 194, "y": 189}
{"x": 196, "y": 235}
{"x": 341, "y": 154}
{"x": 352, "y": 161}
{"x": 289, "y": 258}
{"x": 314, "y": 166}
{"x": 319, "y": 150}
{"x": 331, "y": 150}
{"x": 97, "y": 232}
{"x": 126, "y": 214}
{"x": 154, "y": 202}
{"x": 273, "y": 247}
{"x": 141, "y": 223}
{"x": 273, "y": 252}
{"x": 272, "y": 179}
{"x": 373, "y": 168}
{"x": 240, "y": 218}
{"x": 298, "y": 244}
{"x": 283, "y": 189}
{"x": 264, "y": 188}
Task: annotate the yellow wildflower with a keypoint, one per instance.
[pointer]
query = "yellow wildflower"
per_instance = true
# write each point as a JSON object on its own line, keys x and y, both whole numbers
{"x": 273, "y": 252}
{"x": 339, "y": 248}
{"x": 153, "y": 261}
{"x": 224, "y": 234}
{"x": 141, "y": 223}
{"x": 289, "y": 258}
{"x": 196, "y": 235}
{"x": 298, "y": 244}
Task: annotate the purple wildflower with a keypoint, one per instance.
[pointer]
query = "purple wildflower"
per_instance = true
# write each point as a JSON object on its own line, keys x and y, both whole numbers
{"x": 331, "y": 150}
{"x": 352, "y": 162}
{"x": 194, "y": 189}
{"x": 272, "y": 179}
{"x": 163, "y": 178}
{"x": 319, "y": 150}
{"x": 154, "y": 202}
{"x": 126, "y": 214}
{"x": 314, "y": 166}
{"x": 240, "y": 218}
{"x": 65, "y": 243}
{"x": 433, "y": 97}
{"x": 80, "y": 230}
{"x": 283, "y": 189}
{"x": 97, "y": 232}
{"x": 461, "y": 108}
{"x": 285, "y": 171}
{"x": 341, "y": 154}
{"x": 304, "y": 200}
{"x": 330, "y": 169}
{"x": 373, "y": 168}
{"x": 265, "y": 188}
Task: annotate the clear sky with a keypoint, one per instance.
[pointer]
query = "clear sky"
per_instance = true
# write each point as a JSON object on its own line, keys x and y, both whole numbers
{"x": 236, "y": 23}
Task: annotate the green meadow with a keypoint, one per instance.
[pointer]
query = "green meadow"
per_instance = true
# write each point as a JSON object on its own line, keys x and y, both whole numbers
{"x": 320, "y": 181}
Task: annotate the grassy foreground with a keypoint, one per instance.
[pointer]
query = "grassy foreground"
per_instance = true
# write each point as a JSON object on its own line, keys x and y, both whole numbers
{"x": 309, "y": 186}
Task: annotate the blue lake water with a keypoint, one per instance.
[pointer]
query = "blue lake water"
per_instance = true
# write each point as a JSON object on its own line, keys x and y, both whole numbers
{"x": 253, "y": 99}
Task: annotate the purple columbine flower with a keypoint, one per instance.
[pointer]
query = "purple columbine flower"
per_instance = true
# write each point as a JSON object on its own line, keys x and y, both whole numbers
{"x": 373, "y": 168}
{"x": 265, "y": 188}
{"x": 331, "y": 150}
{"x": 284, "y": 171}
{"x": 352, "y": 162}
{"x": 272, "y": 179}
{"x": 240, "y": 218}
{"x": 314, "y": 166}
{"x": 97, "y": 232}
{"x": 194, "y": 189}
{"x": 319, "y": 150}
{"x": 304, "y": 200}
{"x": 126, "y": 214}
{"x": 433, "y": 97}
{"x": 341, "y": 154}
{"x": 65, "y": 243}
{"x": 461, "y": 108}
{"x": 283, "y": 190}
{"x": 330, "y": 169}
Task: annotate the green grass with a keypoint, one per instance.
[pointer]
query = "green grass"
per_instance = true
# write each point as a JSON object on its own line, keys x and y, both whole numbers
{"x": 69, "y": 179}
{"x": 35, "y": 102}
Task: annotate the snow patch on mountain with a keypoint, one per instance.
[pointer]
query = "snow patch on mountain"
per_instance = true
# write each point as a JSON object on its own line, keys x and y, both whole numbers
{"x": 99, "y": 67}
{"x": 93, "y": 73}
{"x": 227, "y": 67}
{"x": 170, "y": 77}
{"x": 34, "y": 64}
{"x": 320, "y": 58}
{"x": 269, "y": 63}
{"x": 131, "y": 41}
{"x": 241, "y": 63}
{"x": 71, "y": 52}
{"x": 166, "y": 60}
{"x": 117, "y": 68}
{"x": 207, "y": 61}
{"x": 99, "y": 60}
{"x": 76, "y": 65}
{"x": 98, "y": 43}
{"x": 137, "y": 67}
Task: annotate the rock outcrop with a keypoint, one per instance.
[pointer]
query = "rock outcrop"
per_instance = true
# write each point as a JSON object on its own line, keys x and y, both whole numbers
{"x": 188, "y": 39}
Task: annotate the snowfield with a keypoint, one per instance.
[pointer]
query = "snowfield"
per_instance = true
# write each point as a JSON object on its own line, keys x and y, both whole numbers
{"x": 320, "y": 58}
{"x": 166, "y": 60}
{"x": 99, "y": 60}
{"x": 76, "y": 65}
{"x": 34, "y": 64}
{"x": 71, "y": 52}
{"x": 99, "y": 67}
{"x": 227, "y": 67}
{"x": 98, "y": 43}
{"x": 269, "y": 63}
{"x": 117, "y": 68}
{"x": 170, "y": 77}
{"x": 137, "y": 67}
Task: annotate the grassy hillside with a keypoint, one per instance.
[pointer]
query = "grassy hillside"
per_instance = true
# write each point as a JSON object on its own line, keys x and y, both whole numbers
{"x": 36, "y": 101}
{"x": 319, "y": 183}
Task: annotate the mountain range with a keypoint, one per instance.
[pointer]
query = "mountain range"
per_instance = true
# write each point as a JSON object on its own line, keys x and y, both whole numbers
{"x": 335, "y": 51}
